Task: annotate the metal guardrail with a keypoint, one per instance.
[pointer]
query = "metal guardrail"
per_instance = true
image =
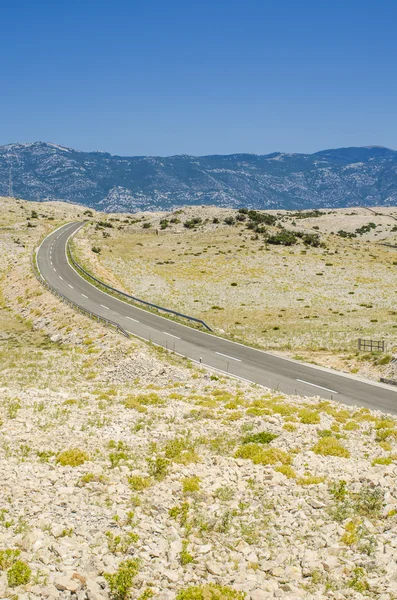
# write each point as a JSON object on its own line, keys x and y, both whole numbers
{"x": 109, "y": 287}
{"x": 74, "y": 305}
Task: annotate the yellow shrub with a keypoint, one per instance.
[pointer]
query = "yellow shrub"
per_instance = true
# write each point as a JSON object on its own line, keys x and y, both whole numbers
{"x": 330, "y": 446}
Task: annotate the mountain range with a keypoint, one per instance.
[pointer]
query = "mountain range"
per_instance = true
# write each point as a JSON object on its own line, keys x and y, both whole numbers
{"x": 337, "y": 178}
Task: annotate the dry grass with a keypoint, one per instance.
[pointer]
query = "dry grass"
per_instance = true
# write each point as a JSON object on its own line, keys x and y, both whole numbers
{"x": 308, "y": 302}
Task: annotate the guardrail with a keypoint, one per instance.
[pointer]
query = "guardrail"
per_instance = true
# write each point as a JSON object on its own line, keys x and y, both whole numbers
{"x": 109, "y": 287}
{"x": 74, "y": 305}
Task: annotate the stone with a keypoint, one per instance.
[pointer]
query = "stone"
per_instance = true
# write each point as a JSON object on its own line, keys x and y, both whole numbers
{"x": 64, "y": 583}
{"x": 214, "y": 568}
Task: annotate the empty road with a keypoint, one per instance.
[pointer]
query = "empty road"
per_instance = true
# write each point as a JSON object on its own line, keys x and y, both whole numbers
{"x": 285, "y": 375}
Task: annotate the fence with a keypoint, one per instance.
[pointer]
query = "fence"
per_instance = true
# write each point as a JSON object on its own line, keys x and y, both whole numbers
{"x": 116, "y": 291}
{"x": 74, "y": 305}
{"x": 371, "y": 345}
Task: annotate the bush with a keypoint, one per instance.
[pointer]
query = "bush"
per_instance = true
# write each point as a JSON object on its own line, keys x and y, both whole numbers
{"x": 263, "y": 437}
{"x": 192, "y": 223}
{"x": 19, "y": 574}
{"x": 180, "y": 450}
{"x": 158, "y": 467}
{"x": 138, "y": 483}
{"x": 309, "y": 417}
{"x": 284, "y": 238}
{"x": 311, "y": 239}
{"x": 369, "y": 501}
{"x": 191, "y": 484}
{"x": 259, "y": 455}
{"x": 146, "y": 225}
{"x": 310, "y": 480}
{"x": 229, "y": 221}
{"x": 140, "y": 401}
{"x": 96, "y": 250}
{"x": 8, "y": 558}
{"x": 210, "y": 591}
{"x": 185, "y": 556}
{"x": 382, "y": 460}
{"x": 287, "y": 470}
{"x": 120, "y": 582}
{"x": 72, "y": 458}
{"x": 330, "y": 446}
{"x": 257, "y": 217}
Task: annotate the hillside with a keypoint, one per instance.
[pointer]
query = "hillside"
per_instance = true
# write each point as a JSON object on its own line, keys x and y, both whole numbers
{"x": 129, "y": 473}
{"x": 303, "y": 284}
{"x": 330, "y": 178}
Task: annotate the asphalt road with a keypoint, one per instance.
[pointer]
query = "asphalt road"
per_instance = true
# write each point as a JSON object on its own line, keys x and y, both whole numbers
{"x": 285, "y": 375}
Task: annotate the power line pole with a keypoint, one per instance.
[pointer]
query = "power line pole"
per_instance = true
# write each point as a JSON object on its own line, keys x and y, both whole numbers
{"x": 10, "y": 192}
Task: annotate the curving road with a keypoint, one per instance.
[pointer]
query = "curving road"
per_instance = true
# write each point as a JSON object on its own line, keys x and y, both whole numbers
{"x": 285, "y": 375}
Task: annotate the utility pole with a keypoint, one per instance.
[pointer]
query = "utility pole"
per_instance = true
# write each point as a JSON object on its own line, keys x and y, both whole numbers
{"x": 10, "y": 192}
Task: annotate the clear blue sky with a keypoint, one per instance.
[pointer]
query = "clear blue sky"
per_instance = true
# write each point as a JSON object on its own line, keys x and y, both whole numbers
{"x": 163, "y": 77}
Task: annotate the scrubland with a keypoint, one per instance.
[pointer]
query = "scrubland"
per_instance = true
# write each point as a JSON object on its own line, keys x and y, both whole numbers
{"x": 127, "y": 472}
{"x": 307, "y": 302}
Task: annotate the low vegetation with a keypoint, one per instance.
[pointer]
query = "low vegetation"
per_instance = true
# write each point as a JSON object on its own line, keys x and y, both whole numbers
{"x": 127, "y": 472}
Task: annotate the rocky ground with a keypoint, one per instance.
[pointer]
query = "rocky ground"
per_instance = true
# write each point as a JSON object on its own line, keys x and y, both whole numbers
{"x": 309, "y": 302}
{"x": 126, "y": 472}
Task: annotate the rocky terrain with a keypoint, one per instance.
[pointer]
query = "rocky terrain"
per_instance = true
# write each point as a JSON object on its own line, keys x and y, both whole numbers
{"x": 126, "y": 472}
{"x": 330, "y": 178}
{"x": 304, "y": 284}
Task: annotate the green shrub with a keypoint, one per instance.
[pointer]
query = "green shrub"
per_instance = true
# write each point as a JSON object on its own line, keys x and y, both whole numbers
{"x": 143, "y": 400}
{"x": 263, "y": 437}
{"x": 72, "y": 458}
{"x": 158, "y": 467}
{"x": 180, "y": 450}
{"x": 330, "y": 446}
{"x": 369, "y": 501}
{"x": 259, "y": 455}
{"x": 382, "y": 460}
{"x": 121, "y": 543}
{"x": 310, "y": 480}
{"x": 191, "y": 484}
{"x": 120, "y": 582}
{"x": 286, "y": 470}
{"x": 138, "y": 483}
{"x": 339, "y": 490}
{"x": 185, "y": 557}
{"x": 351, "y": 426}
{"x": 283, "y": 238}
{"x": 8, "y": 558}
{"x": 358, "y": 581}
{"x": 180, "y": 513}
{"x": 309, "y": 417}
{"x": 19, "y": 574}
{"x": 210, "y": 591}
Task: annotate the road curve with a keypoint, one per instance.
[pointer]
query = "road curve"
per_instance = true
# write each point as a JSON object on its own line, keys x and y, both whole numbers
{"x": 285, "y": 375}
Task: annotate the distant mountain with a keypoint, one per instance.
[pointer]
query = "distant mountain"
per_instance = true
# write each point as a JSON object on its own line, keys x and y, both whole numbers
{"x": 330, "y": 178}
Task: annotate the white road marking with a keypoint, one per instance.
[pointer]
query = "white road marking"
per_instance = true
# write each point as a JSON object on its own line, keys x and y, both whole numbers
{"x": 55, "y": 270}
{"x": 103, "y": 306}
{"x": 131, "y": 319}
{"x": 317, "y": 386}
{"x": 70, "y": 285}
{"x": 84, "y": 296}
{"x": 174, "y": 336}
{"x": 60, "y": 277}
{"x": 227, "y": 356}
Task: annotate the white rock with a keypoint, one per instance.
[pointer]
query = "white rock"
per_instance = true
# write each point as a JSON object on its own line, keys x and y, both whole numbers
{"x": 214, "y": 568}
{"x": 64, "y": 583}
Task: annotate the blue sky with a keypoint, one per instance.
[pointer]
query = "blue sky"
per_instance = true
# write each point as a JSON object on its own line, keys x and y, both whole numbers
{"x": 136, "y": 77}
